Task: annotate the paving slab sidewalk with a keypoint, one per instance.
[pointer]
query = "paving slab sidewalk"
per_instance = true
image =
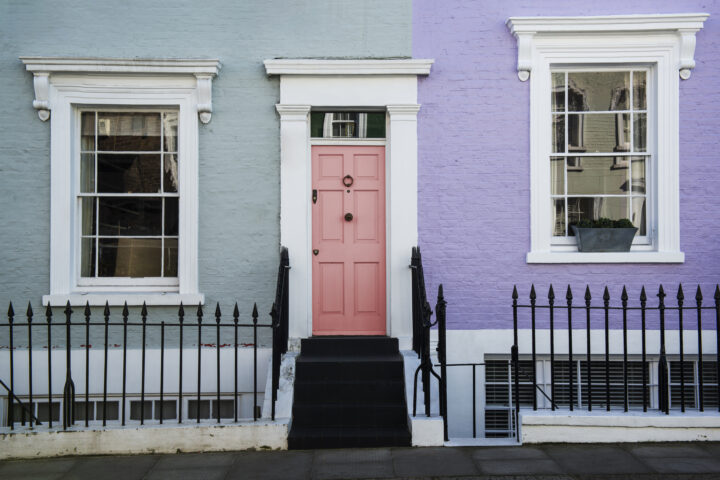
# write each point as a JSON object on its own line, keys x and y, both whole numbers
{"x": 539, "y": 462}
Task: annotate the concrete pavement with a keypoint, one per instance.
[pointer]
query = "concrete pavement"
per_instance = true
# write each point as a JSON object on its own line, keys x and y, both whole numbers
{"x": 542, "y": 462}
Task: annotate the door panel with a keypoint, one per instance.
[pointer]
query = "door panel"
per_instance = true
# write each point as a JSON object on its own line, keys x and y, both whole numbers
{"x": 349, "y": 269}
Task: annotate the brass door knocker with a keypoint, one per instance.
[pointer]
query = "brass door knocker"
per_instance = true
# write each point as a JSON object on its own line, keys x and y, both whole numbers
{"x": 347, "y": 180}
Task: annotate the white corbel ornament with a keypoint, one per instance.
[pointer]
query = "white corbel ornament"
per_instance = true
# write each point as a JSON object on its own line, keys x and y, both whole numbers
{"x": 204, "y": 93}
{"x": 41, "y": 82}
{"x": 687, "y": 52}
{"x": 524, "y": 63}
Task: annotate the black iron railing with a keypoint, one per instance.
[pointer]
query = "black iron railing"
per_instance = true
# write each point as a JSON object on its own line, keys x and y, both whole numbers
{"x": 422, "y": 323}
{"x": 279, "y": 314}
{"x": 278, "y": 329}
{"x": 639, "y": 318}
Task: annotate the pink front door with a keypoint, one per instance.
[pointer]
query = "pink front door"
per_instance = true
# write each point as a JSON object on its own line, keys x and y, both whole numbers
{"x": 348, "y": 219}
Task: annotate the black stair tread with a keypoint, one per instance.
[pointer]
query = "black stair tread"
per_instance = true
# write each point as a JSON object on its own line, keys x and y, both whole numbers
{"x": 343, "y": 437}
{"x": 376, "y": 358}
{"x": 349, "y": 345}
{"x": 355, "y": 405}
{"x": 349, "y": 431}
{"x": 359, "y": 382}
{"x": 367, "y": 391}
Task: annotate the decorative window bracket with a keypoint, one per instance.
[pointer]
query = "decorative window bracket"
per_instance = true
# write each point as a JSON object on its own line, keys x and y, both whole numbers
{"x": 526, "y": 29}
{"x": 43, "y": 67}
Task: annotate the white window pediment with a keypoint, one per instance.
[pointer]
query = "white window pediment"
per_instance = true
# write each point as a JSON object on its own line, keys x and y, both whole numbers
{"x": 661, "y": 45}
{"x": 72, "y": 91}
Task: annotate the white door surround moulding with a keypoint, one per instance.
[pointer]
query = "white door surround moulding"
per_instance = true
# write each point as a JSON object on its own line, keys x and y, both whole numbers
{"x": 42, "y": 68}
{"x": 306, "y": 84}
{"x": 683, "y": 25}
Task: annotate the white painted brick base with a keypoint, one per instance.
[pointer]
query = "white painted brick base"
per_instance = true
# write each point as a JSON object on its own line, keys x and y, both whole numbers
{"x": 144, "y": 440}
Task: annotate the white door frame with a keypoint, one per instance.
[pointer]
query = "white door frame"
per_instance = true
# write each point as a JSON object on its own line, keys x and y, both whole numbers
{"x": 386, "y": 84}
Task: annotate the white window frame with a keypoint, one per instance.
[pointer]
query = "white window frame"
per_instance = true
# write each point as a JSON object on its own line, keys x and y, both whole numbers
{"x": 663, "y": 43}
{"x": 65, "y": 86}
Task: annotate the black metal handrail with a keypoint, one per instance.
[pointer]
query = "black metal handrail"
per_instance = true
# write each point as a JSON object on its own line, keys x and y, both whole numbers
{"x": 14, "y": 398}
{"x": 279, "y": 314}
{"x": 422, "y": 323}
{"x": 663, "y": 380}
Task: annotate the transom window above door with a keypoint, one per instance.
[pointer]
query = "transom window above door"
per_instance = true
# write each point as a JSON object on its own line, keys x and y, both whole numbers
{"x": 347, "y": 124}
{"x": 600, "y": 159}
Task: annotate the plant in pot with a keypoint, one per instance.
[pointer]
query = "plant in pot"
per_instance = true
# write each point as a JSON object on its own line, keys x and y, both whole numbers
{"x": 604, "y": 235}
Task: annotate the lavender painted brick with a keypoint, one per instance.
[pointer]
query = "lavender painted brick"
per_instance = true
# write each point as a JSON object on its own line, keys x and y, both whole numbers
{"x": 474, "y": 178}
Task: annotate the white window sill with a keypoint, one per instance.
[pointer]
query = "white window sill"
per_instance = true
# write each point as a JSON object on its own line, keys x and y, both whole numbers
{"x": 115, "y": 299}
{"x": 605, "y": 257}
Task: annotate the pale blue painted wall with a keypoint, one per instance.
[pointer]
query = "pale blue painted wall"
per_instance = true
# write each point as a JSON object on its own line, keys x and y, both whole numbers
{"x": 239, "y": 149}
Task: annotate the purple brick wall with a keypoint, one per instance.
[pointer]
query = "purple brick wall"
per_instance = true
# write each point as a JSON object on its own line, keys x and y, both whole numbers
{"x": 474, "y": 180}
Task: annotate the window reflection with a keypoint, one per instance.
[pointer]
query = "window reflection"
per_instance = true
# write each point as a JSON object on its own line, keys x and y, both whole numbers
{"x": 599, "y": 122}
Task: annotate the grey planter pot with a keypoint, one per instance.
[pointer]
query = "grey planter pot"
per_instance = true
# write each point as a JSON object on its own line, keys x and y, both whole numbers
{"x": 604, "y": 239}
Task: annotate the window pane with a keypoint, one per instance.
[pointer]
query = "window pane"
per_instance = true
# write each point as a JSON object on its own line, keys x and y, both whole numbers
{"x": 130, "y": 216}
{"x": 592, "y": 208}
{"x": 129, "y": 257}
{"x": 638, "y": 174}
{"x": 638, "y": 215}
{"x": 170, "y": 128}
{"x": 557, "y": 175}
{"x": 170, "y": 173}
{"x": 87, "y": 257}
{"x": 87, "y": 131}
{"x": 640, "y": 132}
{"x": 316, "y": 124}
{"x": 43, "y": 411}
{"x": 81, "y": 408}
{"x": 171, "y": 216}
{"x": 558, "y": 133}
{"x": 558, "y": 92}
{"x": 375, "y": 125}
{"x": 559, "y": 220}
{"x": 129, "y": 132}
{"x": 170, "y": 260}
{"x": 169, "y": 409}
{"x": 226, "y": 409}
{"x": 135, "y": 410}
{"x": 193, "y": 409}
{"x": 597, "y": 176}
{"x": 128, "y": 173}
{"x": 88, "y": 216}
{"x": 87, "y": 173}
{"x": 598, "y": 132}
{"x": 598, "y": 91}
{"x": 112, "y": 410}
{"x": 639, "y": 89}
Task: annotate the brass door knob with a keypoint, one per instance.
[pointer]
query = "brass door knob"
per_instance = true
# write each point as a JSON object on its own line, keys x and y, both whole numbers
{"x": 348, "y": 217}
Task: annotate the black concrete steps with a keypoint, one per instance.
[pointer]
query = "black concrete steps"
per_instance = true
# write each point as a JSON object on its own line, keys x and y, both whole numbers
{"x": 349, "y": 392}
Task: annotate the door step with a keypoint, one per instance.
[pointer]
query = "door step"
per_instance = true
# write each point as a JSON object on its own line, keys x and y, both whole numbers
{"x": 349, "y": 392}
